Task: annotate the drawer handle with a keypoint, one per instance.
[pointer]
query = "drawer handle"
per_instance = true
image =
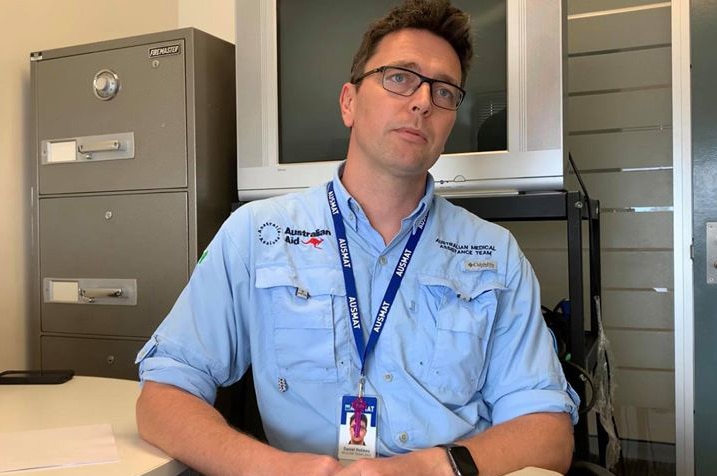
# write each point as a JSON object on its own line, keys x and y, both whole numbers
{"x": 94, "y": 291}
{"x": 99, "y": 146}
{"x": 91, "y": 294}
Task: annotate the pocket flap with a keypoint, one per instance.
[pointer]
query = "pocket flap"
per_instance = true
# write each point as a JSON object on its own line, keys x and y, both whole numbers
{"x": 467, "y": 289}
{"x": 315, "y": 281}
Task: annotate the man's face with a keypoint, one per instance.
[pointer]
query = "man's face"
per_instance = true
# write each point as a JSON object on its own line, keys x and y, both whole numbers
{"x": 401, "y": 135}
{"x": 357, "y": 440}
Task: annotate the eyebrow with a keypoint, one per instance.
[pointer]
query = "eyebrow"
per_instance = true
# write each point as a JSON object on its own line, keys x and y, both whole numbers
{"x": 414, "y": 66}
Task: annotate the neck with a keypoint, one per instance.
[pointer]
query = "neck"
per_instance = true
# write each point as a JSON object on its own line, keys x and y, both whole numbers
{"x": 385, "y": 199}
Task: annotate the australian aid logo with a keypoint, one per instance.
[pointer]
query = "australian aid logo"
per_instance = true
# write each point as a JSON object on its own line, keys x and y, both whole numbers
{"x": 314, "y": 241}
{"x": 306, "y": 238}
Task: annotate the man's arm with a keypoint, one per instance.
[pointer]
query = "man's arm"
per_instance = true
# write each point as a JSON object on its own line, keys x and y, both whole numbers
{"x": 543, "y": 440}
{"x": 192, "y": 431}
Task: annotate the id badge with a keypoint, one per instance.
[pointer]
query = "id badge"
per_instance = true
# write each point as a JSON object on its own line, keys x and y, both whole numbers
{"x": 353, "y": 445}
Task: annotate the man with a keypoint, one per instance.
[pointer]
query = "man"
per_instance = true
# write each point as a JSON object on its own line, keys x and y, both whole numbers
{"x": 357, "y": 438}
{"x": 390, "y": 311}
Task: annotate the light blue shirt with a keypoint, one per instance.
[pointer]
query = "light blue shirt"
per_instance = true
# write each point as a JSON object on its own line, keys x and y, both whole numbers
{"x": 463, "y": 348}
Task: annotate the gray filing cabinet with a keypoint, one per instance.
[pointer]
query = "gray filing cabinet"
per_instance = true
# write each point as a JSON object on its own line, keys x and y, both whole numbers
{"x": 134, "y": 171}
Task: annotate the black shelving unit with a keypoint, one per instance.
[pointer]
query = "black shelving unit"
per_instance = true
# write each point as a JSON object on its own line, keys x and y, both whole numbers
{"x": 574, "y": 208}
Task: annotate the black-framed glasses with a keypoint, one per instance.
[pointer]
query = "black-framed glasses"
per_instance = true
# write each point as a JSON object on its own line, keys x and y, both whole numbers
{"x": 406, "y": 82}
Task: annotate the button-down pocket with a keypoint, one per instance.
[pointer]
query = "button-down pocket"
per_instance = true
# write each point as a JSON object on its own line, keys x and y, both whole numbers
{"x": 464, "y": 314}
{"x": 302, "y": 303}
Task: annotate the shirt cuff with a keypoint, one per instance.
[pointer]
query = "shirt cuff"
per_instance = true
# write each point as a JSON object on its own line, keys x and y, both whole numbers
{"x": 536, "y": 401}
{"x": 156, "y": 367}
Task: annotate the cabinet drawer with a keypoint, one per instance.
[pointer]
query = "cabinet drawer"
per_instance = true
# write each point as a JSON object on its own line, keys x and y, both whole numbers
{"x": 92, "y": 357}
{"x": 141, "y": 238}
{"x": 150, "y": 104}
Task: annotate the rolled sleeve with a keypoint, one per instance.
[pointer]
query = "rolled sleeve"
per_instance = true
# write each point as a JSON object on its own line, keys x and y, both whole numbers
{"x": 203, "y": 342}
{"x": 166, "y": 363}
{"x": 536, "y": 401}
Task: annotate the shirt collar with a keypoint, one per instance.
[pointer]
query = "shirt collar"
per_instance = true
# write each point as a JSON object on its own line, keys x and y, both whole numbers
{"x": 351, "y": 208}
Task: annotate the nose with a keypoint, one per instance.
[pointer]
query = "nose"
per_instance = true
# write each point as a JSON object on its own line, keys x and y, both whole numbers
{"x": 421, "y": 101}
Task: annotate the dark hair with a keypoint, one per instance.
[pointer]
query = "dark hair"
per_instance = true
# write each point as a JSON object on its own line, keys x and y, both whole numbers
{"x": 363, "y": 419}
{"x": 437, "y": 16}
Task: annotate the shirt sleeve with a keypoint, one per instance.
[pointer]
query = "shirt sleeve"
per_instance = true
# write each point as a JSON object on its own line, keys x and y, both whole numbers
{"x": 203, "y": 343}
{"x": 524, "y": 375}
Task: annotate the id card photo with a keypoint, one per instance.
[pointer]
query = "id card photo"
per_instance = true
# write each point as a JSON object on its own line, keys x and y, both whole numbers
{"x": 359, "y": 444}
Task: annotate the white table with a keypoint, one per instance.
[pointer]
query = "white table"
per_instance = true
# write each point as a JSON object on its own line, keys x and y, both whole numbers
{"x": 534, "y": 472}
{"x": 86, "y": 401}
{"x": 94, "y": 400}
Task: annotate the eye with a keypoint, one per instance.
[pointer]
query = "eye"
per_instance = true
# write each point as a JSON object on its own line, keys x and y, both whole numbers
{"x": 445, "y": 92}
{"x": 398, "y": 77}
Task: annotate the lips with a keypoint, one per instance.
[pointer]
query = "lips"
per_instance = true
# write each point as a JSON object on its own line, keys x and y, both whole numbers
{"x": 412, "y": 134}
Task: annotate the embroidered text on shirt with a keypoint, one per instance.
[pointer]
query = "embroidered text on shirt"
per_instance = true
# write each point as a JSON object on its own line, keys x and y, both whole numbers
{"x": 466, "y": 249}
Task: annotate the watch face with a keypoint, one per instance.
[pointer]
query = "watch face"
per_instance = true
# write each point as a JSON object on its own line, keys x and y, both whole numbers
{"x": 463, "y": 461}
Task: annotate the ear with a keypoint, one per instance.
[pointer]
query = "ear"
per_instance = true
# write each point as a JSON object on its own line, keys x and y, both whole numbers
{"x": 347, "y": 103}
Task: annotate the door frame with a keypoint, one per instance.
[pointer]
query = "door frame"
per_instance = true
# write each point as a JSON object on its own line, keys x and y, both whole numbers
{"x": 682, "y": 232}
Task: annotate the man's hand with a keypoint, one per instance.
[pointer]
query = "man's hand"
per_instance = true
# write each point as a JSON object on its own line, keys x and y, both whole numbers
{"x": 204, "y": 441}
{"x": 428, "y": 462}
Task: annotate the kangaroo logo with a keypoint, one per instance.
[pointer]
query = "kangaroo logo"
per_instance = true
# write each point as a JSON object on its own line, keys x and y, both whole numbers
{"x": 314, "y": 241}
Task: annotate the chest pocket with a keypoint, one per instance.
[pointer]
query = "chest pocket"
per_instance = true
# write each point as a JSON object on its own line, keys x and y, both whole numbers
{"x": 302, "y": 309}
{"x": 464, "y": 315}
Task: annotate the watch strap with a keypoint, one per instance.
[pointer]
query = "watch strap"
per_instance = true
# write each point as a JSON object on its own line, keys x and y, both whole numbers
{"x": 460, "y": 459}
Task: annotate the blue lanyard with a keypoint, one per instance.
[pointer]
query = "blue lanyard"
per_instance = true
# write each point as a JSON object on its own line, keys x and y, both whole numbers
{"x": 351, "y": 293}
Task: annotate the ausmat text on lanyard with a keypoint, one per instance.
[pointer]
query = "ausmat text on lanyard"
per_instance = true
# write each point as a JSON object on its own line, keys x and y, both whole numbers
{"x": 362, "y": 441}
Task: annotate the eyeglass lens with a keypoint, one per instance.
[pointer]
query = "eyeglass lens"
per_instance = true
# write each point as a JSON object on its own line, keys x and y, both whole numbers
{"x": 405, "y": 83}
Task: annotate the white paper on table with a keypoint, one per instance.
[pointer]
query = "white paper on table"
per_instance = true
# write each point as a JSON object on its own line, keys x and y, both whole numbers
{"x": 57, "y": 447}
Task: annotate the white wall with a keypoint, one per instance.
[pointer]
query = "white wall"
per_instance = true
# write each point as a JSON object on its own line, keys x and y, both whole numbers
{"x": 213, "y": 16}
{"x": 34, "y": 25}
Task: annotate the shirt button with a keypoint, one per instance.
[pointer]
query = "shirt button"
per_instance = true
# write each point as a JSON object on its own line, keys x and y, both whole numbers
{"x": 382, "y": 260}
{"x": 403, "y": 437}
{"x": 387, "y": 377}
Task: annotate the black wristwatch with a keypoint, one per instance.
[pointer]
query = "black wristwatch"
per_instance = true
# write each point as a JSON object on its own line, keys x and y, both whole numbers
{"x": 461, "y": 460}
